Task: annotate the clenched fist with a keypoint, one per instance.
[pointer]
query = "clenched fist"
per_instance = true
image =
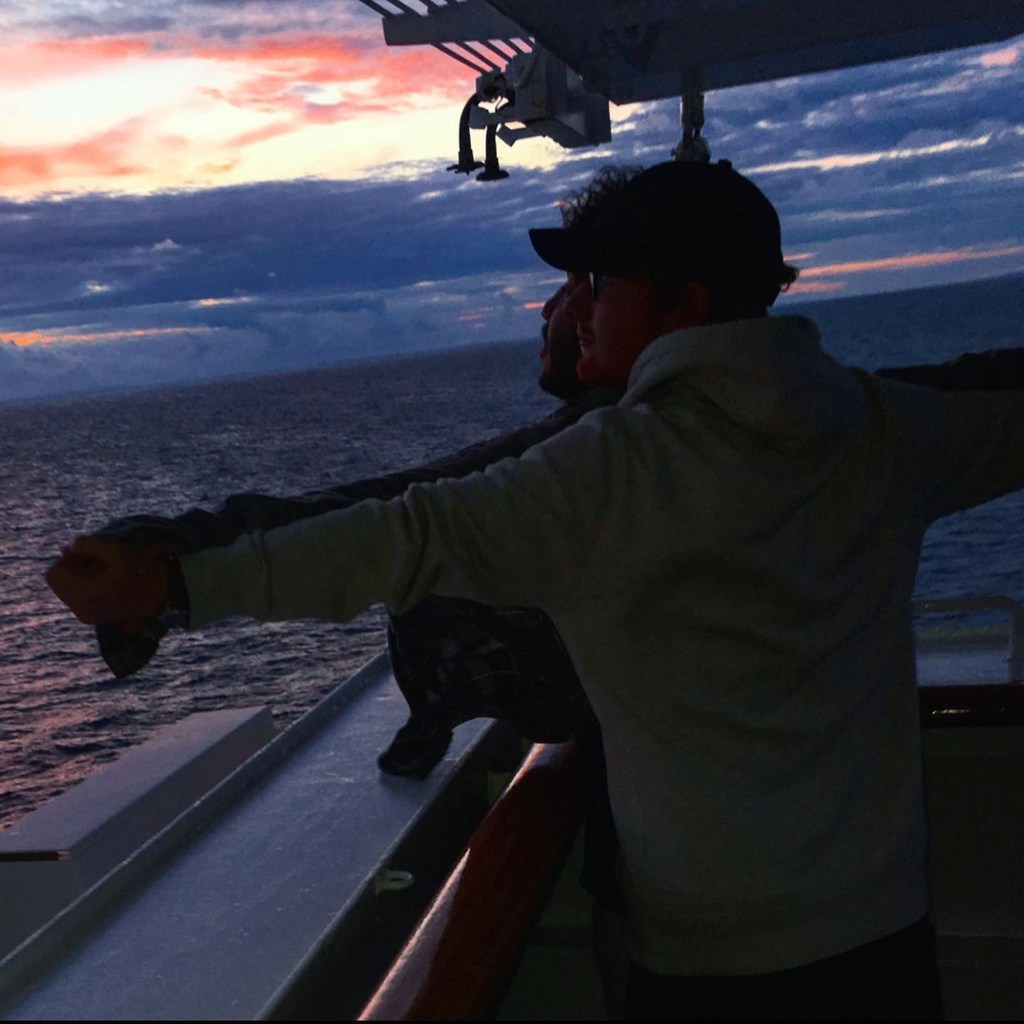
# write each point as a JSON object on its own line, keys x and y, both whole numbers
{"x": 107, "y": 582}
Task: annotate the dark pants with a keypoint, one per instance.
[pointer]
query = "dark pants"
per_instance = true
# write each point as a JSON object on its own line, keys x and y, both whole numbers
{"x": 893, "y": 978}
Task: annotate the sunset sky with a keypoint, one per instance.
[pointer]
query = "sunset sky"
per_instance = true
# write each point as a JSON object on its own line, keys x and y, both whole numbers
{"x": 194, "y": 188}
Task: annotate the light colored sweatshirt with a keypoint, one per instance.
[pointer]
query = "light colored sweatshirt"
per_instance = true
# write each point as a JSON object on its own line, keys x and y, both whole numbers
{"x": 729, "y": 555}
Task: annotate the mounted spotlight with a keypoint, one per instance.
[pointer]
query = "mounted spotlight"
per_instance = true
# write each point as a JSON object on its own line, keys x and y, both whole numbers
{"x": 542, "y": 97}
{"x": 534, "y": 95}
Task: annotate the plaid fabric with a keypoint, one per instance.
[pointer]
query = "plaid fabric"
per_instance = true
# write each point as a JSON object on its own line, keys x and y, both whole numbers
{"x": 457, "y": 660}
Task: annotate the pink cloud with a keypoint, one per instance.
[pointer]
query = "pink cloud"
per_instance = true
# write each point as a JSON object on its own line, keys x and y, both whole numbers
{"x": 280, "y": 77}
{"x": 911, "y": 260}
{"x": 276, "y": 63}
{"x": 64, "y": 58}
{"x": 1000, "y": 58}
{"x": 370, "y": 81}
{"x": 815, "y": 287}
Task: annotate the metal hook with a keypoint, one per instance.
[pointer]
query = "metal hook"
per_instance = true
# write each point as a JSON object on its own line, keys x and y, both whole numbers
{"x": 693, "y": 146}
{"x": 467, "y": 162}
{"x": 492, "y": 171}
{"x": 390, "y": 880}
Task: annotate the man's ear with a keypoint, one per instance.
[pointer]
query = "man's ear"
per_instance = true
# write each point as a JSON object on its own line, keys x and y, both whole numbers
{"x": 692, "y": 309}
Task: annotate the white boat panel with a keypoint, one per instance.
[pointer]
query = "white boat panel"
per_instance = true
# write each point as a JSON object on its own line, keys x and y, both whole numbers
{"x": 629, "y": 51}
{"x": 51, "y": 856}
{"x": 626, "y": 50}
{"x": 232, "y": 922}
{"x": 556, "y": 65}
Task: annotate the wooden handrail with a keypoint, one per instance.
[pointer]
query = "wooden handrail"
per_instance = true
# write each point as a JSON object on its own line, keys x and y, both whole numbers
{"x": 464, "y": 953}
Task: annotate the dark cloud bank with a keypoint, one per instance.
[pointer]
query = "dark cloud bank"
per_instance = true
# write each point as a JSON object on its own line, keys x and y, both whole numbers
{"x": 283, "y": 275}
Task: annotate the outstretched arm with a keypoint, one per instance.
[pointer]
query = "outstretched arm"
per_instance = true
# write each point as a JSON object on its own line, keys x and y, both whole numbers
{"x": 199, "y": 529}
{"x": 375, "y": 551}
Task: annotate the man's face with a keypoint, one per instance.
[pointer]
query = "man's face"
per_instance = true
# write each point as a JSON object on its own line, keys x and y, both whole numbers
{"x": 561, "y": 349}
{"x": 614, "y": 326}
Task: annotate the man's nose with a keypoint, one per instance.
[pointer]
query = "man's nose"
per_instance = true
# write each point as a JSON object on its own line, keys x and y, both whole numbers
{"x": 579, "y": 298}
{"x": 548, "y": 309}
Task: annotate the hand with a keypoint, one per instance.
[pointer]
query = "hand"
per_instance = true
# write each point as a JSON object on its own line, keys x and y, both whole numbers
{"x": 111, "y": 582}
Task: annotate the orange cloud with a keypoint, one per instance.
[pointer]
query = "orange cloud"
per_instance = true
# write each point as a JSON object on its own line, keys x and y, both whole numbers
{"x": 103, "y": 156}
{"x": 26, "y": 338}
{"x": 911, "y": 260}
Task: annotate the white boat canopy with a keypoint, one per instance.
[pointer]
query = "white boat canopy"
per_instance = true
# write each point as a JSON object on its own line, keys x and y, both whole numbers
{"x": 552, "y": 66}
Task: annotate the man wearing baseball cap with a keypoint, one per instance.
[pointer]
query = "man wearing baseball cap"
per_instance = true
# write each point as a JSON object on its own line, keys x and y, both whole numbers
{"x": 680, "y": 222}
{"x": 729, "y": 555}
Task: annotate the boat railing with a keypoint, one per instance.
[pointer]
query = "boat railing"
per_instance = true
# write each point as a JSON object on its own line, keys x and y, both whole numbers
{"x": 463, "y": 955}
{"x": 217, "y": 886}
{"x": 991, "y": 625}
{"x": 52, "y": 856}
{"x": 283, "y": 893}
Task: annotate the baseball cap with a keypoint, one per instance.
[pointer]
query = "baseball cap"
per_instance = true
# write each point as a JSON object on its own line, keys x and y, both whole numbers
{"x": 705, "y": 219}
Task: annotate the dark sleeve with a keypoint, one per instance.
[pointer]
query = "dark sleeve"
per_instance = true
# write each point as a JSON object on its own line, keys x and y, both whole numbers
{"x": 998, "y": 369}
{"x": 245, "y": 513}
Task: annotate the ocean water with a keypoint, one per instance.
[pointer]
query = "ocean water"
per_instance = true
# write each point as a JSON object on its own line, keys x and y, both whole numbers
{"x": 70, "y": 465}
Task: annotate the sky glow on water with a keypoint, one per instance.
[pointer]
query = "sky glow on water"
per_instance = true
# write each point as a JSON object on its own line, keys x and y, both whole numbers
{"x": 208, "y": 187}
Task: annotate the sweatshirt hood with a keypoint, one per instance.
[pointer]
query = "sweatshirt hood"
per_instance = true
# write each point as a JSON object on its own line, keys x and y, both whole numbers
{"x": 768, "y": 375}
